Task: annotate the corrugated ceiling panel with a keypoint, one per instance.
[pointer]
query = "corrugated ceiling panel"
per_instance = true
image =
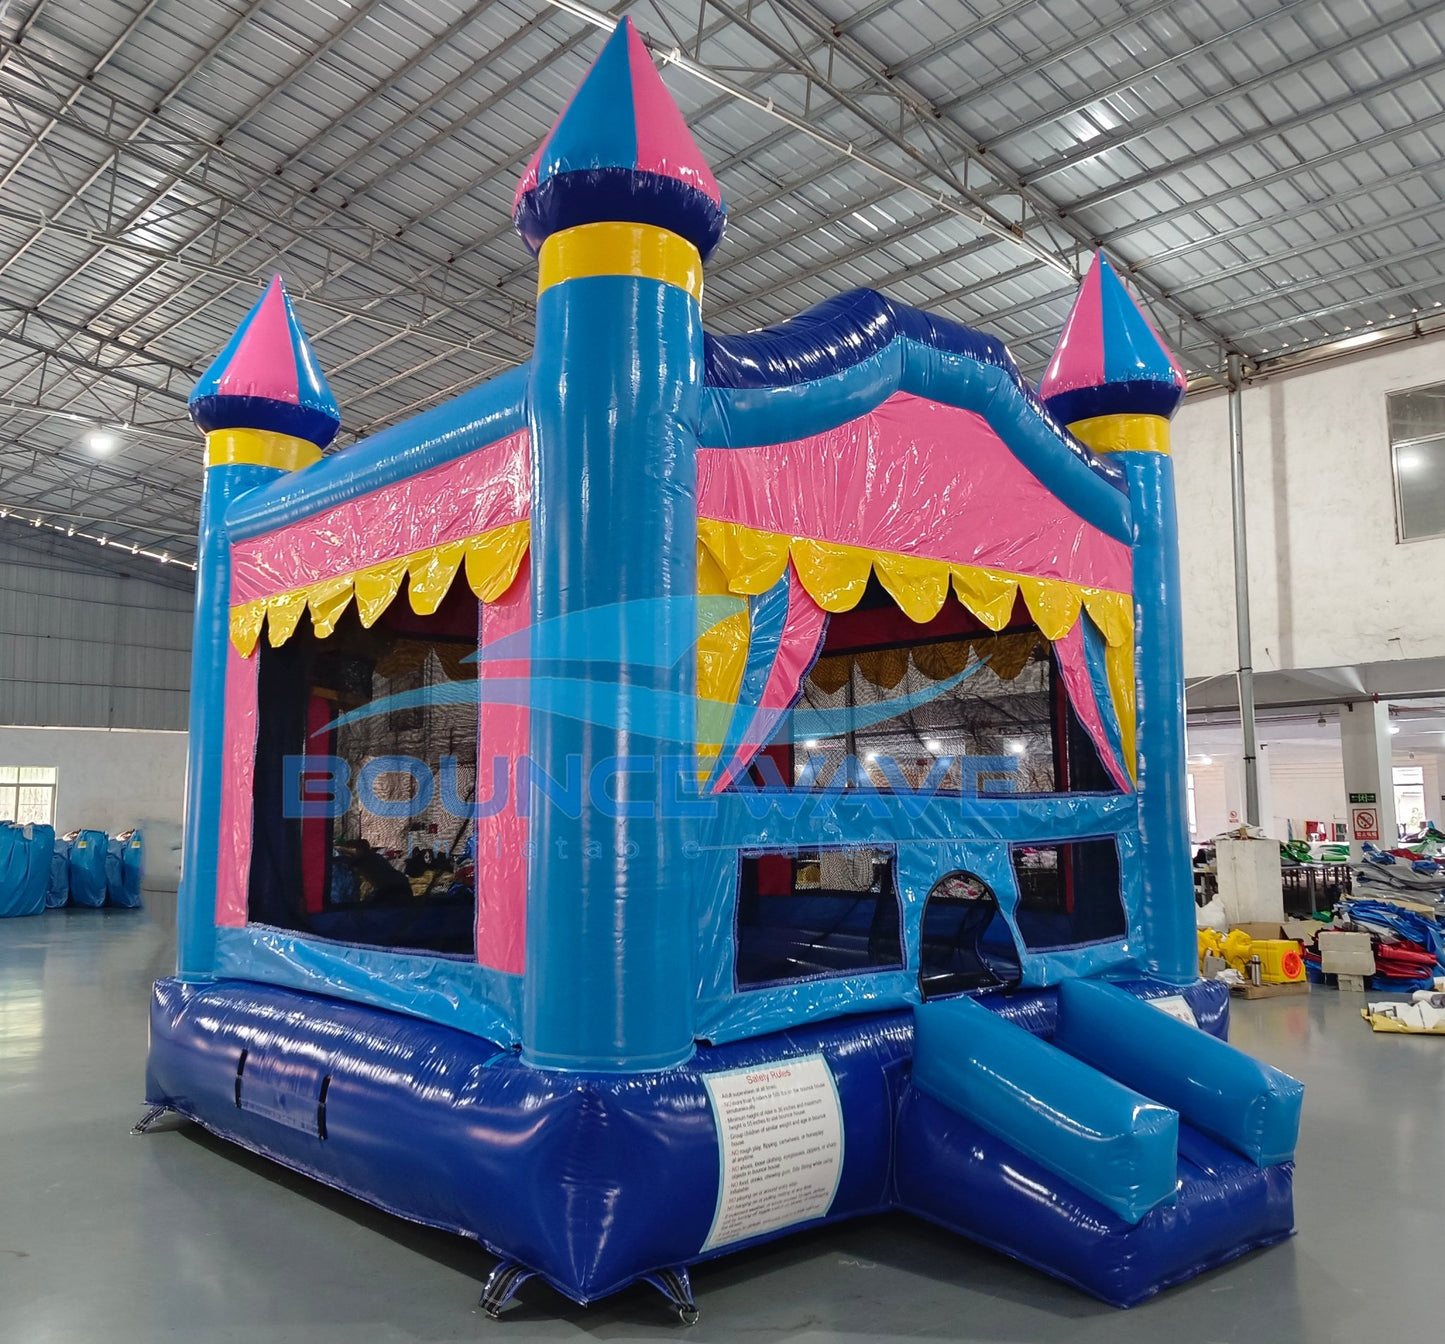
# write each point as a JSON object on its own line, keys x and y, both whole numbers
{"x": 1272, "y": 167}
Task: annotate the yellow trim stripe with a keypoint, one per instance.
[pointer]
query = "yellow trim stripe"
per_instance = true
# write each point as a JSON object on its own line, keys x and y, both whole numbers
{"x": 612, "y": 248}
{"x": 259, "y": 448}
{"x": 1123, "y": 433}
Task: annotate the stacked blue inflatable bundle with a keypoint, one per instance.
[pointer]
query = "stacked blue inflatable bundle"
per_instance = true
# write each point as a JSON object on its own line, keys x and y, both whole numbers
{"x": 25, "y": 853}
{"x": 88, "y": 853}
{"x": 40, "y": 871}
{"x": 123, "y": 870}
{"x": 57, "y": 893}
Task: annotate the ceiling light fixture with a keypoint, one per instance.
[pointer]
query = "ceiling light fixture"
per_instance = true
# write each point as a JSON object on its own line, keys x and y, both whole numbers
{"x": 100, "y": 441}
{"x": 73, "y": 532}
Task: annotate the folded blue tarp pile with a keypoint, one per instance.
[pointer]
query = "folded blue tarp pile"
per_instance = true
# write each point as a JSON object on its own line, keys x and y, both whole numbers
{"x": 1394, "y": 925}
{"x": 58, "y": 892}
{"x": 88, "y": 853}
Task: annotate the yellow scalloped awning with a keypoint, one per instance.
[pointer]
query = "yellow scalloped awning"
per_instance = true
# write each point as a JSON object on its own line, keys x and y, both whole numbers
{"x": 835, "y": 575}
{"x": 490, "y": 560}
{"x": 745, "y": 561}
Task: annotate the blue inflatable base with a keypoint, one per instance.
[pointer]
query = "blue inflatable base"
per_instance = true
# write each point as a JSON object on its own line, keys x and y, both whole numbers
{"x": 594, "y": 1181}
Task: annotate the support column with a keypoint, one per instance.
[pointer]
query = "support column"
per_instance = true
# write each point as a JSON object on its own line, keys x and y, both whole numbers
{"x": 1115, "y": 386}
{"x": 1255, "y": 812}
{"x": 210, "y": 653}
{"x": 1236, "y": 789}
{"x": 1369, "y": 777}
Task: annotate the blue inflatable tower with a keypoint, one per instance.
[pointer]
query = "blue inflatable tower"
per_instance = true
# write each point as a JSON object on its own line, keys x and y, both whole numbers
{"x": 1115, "y": 385}
{"x": 622, "y": 212}
{"x": 265, "y": 410}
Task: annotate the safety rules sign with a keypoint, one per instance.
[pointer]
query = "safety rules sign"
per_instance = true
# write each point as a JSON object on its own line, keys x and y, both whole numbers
{"x": 780, "y": 1141}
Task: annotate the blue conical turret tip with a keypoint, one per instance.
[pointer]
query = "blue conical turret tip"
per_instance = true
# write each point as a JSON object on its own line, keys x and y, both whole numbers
{"x": 267, "y": 378}
{"x": 1109, "y": 359}
{"x": 620, "y": 151}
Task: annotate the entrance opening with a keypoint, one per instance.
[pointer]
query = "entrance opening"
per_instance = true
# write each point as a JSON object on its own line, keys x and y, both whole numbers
{"x": 965, "y": 942}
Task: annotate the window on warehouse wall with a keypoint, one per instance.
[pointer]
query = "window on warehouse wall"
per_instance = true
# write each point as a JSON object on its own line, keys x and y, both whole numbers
{"x": 366, "y": 764}
{"x": 1417, "y": 458}
{"x": 27, "y": 794}
{"x": 1411, "y": 812}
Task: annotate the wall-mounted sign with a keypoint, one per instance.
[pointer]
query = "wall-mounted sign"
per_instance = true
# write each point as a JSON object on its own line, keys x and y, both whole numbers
{"x": 1365, "y": 822}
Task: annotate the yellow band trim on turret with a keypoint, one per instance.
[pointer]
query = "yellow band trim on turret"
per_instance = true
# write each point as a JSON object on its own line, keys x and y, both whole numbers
{"x": 1123, "y": 433}
{"x": 620, "y": 249}
{"x": 259, "y": 448}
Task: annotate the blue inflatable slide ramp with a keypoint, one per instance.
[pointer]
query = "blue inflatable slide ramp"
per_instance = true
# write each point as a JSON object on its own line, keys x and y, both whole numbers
{"x": 1127, "y": 1153}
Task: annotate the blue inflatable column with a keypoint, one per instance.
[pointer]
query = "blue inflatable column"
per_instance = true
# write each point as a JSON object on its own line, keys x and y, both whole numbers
{"x": 614, "y": 407}
{"x": 265, "y": 410}
{"x": 210, "y": 641}
{"x": 1159, "y": 677}
{"x": 1115, "y": 386}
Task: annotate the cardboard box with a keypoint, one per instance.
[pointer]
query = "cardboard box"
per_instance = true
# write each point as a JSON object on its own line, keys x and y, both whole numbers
{"x": 1346, "y": 953}
{"x": 1248, "y": 991}
{"x": 1262, "y": 930}
{"x": 1250, "y": 886}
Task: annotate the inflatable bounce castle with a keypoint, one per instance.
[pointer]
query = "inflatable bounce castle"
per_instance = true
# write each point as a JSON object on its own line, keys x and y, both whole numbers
{"x": 693, "y": 788}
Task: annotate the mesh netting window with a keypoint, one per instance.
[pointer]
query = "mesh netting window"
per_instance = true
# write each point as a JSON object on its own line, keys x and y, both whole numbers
{"x": 1068, "y": 894}
{"x": 394, "y": 865}
{"x": 965, "y": 943}
{"x": 816, "y": 912}
{"x": 1011, "y": 704}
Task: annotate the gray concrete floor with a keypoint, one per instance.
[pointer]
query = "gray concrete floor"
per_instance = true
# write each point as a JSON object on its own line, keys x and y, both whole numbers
{"x": 105, "y": 1237}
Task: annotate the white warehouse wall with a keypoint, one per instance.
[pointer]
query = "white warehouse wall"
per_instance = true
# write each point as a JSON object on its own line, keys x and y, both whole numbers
{"x": 110, "y": 780}
{"x": 1306, "y": 783}
{"x": 1329, "y": 584}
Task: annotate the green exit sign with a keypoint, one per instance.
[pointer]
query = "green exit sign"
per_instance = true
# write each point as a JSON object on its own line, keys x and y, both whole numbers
{"x": 1363, "y": 798}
